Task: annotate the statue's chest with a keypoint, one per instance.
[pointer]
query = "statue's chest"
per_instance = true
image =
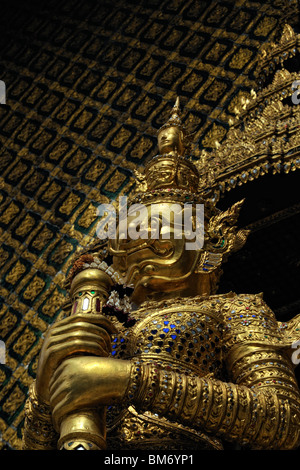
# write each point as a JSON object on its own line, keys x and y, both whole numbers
{"x": 188, "y": 338}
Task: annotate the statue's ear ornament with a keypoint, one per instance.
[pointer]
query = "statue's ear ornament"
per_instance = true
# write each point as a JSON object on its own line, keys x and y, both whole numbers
{"x": 221, "y": 238}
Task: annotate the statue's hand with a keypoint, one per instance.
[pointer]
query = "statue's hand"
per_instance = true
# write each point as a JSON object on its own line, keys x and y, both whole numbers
{"x": 78, "y": 334}
{"x": 87, "y": 382}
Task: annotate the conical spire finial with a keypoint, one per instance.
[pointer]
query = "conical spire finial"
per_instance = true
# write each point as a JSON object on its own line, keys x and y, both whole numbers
{"x": 174, "y": 120}
{"x": 176, "y": 108}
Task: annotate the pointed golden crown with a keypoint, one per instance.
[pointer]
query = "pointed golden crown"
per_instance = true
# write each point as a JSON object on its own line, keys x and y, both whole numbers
{"x": 174, "y": 178}
{"x": 170, "y": 175}
{"x": 175, "y": 119}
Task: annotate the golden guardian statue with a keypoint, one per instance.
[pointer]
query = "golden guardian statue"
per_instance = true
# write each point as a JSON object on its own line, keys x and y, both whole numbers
{"x": 150, "y": 356}
{"x": 188, "y": 368}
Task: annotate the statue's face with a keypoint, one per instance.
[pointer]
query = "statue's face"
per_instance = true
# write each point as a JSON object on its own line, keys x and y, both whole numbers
{"x": 170, "y": 139}
{"x": 157, "y": 261}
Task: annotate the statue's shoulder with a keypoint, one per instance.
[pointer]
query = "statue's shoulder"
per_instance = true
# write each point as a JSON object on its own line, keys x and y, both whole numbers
{"x": 247, "y": 318}
{"x": 234, "y": 304}
{"x": 245, "y": 308}
{"x": 231, "y": 303}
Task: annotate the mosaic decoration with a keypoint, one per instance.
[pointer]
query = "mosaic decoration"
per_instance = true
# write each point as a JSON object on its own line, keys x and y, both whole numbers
{"x": 88, "y": 86}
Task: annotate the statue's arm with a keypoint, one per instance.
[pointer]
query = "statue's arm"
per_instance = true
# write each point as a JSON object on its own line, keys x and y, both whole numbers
{"x": 85, "y": 331}
{"x": 261, "y": 410}
{"x": 258, "y": 405}
{"x": 260, "y": 402}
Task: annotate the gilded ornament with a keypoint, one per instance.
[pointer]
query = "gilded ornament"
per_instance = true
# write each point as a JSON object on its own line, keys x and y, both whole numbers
{"x": 147, "y": 354}
{"x": 152, "y": 376}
